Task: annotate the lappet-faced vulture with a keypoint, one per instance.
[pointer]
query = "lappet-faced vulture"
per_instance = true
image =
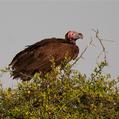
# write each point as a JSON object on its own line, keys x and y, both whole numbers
{"x": 37, "y": 57}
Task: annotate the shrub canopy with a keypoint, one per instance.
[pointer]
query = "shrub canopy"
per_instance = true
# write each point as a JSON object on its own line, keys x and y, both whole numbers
{"x": 63, "y": 94}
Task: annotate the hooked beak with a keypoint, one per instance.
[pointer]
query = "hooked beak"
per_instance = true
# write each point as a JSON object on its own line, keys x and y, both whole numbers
{"x": 80, "y": 35}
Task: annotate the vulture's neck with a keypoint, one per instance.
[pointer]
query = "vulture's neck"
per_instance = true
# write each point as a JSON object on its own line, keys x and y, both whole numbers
{"x": 71, "y": 41}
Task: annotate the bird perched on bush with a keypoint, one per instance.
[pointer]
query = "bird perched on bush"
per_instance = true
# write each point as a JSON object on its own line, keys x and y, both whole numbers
{"x": 37, "y": 57}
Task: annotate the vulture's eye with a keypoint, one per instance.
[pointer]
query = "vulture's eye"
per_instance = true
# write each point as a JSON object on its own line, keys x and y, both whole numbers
{"x": 72, "y": 34}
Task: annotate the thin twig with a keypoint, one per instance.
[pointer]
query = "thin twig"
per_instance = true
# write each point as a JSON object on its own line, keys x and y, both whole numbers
{"x": 101, "y": 43}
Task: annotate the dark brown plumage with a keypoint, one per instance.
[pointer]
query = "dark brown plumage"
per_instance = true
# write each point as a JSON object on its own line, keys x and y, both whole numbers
{"x": 37, "y": 57}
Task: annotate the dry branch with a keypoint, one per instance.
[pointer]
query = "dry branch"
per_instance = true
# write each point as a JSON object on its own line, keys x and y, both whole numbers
{"x": 101, "y": 43}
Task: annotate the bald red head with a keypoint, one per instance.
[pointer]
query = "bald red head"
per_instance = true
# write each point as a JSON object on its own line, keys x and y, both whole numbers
{"x": 72, "y": 36}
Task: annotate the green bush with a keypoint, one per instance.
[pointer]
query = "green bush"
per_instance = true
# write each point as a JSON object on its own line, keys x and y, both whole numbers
{"x": 63, "y": 94}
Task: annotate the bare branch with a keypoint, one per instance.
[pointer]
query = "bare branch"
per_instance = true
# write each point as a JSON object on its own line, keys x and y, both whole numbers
{"x": 101, "y": 43}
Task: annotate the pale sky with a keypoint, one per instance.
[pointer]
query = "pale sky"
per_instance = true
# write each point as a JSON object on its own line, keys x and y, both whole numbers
{"x": 25, "y": 22}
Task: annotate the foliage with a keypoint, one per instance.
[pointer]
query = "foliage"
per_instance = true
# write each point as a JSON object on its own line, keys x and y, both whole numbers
{"x": 63, "y": 94}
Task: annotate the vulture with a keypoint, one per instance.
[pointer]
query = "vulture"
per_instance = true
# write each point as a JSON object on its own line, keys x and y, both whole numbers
{"x": 37, "y": 57}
